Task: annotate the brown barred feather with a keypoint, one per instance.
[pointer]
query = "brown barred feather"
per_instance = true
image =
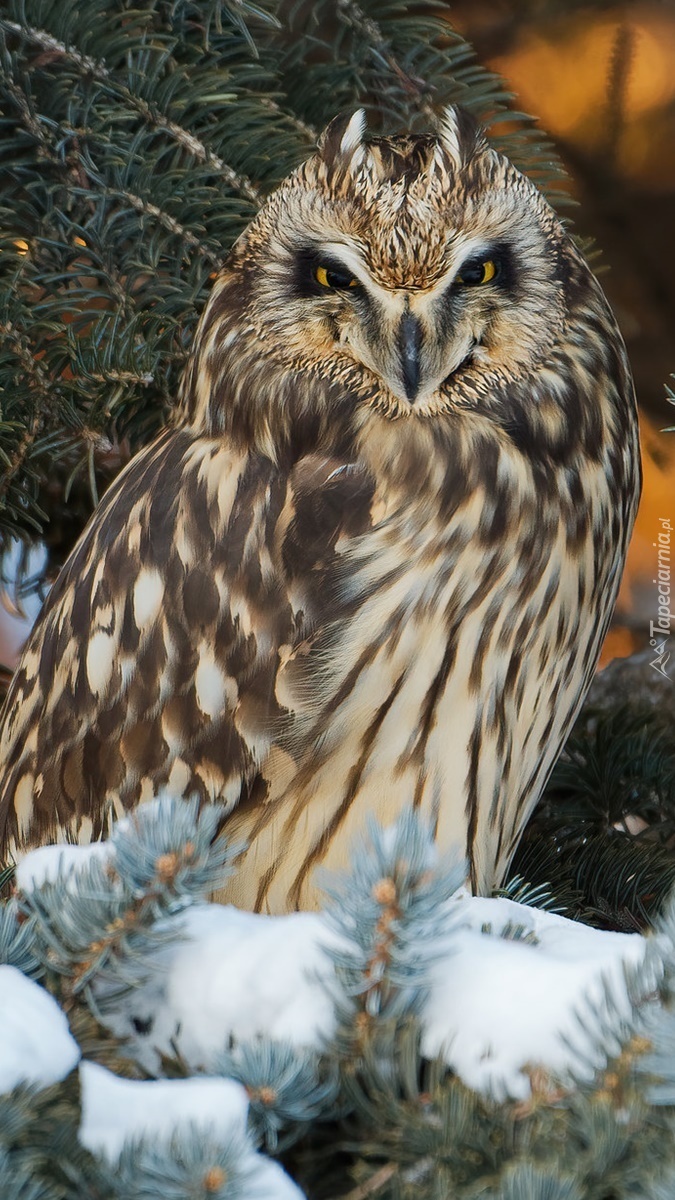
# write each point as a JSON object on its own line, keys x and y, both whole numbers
{"x": 372, "y": 561}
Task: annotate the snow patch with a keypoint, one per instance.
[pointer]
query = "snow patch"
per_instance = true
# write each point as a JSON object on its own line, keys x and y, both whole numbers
{"x": 36, "y": 1045}
{"x": 116, "y": 1111}
{"x": 47, "y": 863}
{"x": 241, "y": 974}
{"x": 498, "y": 1005}
{"x": 233, "y": 975}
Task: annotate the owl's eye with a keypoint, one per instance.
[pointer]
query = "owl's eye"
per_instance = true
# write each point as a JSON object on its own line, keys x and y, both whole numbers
{"x": 329, "y": 277}
{"x": 475, "y": 273}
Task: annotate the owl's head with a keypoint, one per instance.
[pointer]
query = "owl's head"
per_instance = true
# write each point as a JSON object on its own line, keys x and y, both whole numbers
{"x": 409, "y": 276}
{"x": 412, "y": 268}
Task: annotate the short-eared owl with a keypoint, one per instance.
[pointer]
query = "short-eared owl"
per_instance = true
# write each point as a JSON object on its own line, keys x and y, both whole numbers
{"x": 372, "y": 560}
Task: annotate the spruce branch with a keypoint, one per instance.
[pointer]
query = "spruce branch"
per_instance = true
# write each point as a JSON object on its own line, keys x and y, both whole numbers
{"x": 39, "y": 1146}
{"x": 601, "y": 839}
{"x": 193, "y": 1164}
{"x": 670, "y": 398}
{"x": 392, "y": 915}
{"x": 288, "y": 1088}
{"x": 146, "y": 208}
{"x": 616, "y": 766}
{"x": 404, "y": 63}
{"x": 525, "y": 1181}
{"x": 95, "y": 934}
{"x": 368, "y": 28}
{"x": 18, "y": 942}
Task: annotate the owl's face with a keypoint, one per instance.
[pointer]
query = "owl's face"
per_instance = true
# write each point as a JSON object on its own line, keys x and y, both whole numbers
{"x": 413, "y": 270}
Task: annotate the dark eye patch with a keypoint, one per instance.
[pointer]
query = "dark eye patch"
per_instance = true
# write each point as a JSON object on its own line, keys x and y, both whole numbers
{"x": 310, "y": 261}
{"x": 471, "y": 273}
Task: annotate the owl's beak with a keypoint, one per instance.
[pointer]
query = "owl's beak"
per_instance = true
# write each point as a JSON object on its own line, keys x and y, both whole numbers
{"x": 410, "y": 347}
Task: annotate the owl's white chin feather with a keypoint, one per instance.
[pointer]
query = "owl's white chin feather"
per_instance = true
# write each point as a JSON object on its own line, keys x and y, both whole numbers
{"x": 396, "y": 408}
{"x": 439, "y": 398}
{"x": 432, "y": 396}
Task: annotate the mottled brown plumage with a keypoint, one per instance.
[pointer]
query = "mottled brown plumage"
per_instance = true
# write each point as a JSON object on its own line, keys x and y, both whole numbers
{"x": 372, "y": 561}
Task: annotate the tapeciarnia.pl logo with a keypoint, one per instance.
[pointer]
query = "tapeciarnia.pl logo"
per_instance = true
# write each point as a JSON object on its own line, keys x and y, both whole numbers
{"x": 659, "y": 630}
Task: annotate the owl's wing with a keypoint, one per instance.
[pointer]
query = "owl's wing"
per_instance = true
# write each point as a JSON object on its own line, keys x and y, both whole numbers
{"x": 154, "y": 660}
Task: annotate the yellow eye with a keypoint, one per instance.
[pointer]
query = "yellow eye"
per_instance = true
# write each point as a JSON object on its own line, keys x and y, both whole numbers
{"x": 475, "y": 273}
{"x": 331, "y": 278}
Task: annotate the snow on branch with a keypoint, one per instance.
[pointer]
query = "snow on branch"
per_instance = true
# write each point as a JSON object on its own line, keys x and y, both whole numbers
{"x": 262, "y": 1020}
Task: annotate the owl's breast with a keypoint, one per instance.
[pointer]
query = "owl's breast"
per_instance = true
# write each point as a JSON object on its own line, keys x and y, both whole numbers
{"x": 446, "y": 675}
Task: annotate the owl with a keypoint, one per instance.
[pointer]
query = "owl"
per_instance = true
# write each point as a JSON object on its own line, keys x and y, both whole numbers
{"x": 371, "y": 561}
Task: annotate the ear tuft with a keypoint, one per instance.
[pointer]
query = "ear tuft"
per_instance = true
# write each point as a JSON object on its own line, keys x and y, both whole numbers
{"x": 460, "y": 135}
{"x": 353, "y": 135}
{"x": 342, "y": 137}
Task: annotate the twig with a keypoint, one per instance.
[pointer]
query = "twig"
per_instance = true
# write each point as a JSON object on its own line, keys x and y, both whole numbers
{"x": 620, "y": 66}
{"x": 34, "y": 370}
{"x": 371, "y": 30}
{"x": 372, "y": 1185}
